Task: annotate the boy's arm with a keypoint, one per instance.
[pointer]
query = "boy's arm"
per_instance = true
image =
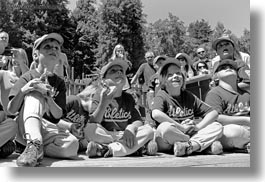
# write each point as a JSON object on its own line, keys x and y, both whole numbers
{"x": 239, "y": 120}
{"x": 106, "y": 97}
{"x": 64, "y": 124}
{"x": 208, "y": 119}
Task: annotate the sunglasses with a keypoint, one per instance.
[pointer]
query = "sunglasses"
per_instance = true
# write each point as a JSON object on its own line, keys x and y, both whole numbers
{"x": 201, "y": 67}
{"x": 201, "y": 52}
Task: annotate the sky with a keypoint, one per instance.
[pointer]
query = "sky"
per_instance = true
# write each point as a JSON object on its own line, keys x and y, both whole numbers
{"x": 234, "y": 14}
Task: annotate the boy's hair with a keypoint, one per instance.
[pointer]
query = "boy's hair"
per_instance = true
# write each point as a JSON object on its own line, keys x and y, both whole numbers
{"x": 163, "y": 78}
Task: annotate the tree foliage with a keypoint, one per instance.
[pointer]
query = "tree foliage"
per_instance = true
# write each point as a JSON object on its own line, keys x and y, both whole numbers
{"x": 121, "y": 22}
{"x": 165, "y": 36}
{"x": 94, "y": 27}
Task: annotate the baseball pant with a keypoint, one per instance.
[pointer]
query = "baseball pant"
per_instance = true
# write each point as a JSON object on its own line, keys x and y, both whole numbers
{"x": 97, "y": 133}
{"x": 57, "y": 143}
{"x": 167, "y": 134}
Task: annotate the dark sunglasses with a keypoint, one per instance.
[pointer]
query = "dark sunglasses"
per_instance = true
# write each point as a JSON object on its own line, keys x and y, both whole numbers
{"x": 200, "y": 67}
{"x": 201, "y": 52}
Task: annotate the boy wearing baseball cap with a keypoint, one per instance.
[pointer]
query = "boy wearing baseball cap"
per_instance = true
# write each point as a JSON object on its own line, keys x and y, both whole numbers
{"x": 233, "y": 106}
{"x": 174, "y": 109}
{"x": 225, "y": 48}
{"x": 39, "y": 98}
{"x": 117, "y": 128}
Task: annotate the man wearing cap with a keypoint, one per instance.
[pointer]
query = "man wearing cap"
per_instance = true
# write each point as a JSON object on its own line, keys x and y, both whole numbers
{"x": 233, "y": 106}
{"x": 117, "y": 128}
{"x": 147, "y": 70}
{"x": 225, "y": 48}
{"x": 174, "y": 109}
{"x": 39, "y": 98}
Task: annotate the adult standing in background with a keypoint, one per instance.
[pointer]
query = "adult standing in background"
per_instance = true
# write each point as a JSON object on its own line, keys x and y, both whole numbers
{"x": 202, "y": 56}
{"x": 146, "y": 70}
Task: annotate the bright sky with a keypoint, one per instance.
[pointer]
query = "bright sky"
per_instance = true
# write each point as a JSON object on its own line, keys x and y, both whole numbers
{"x": 234, "y": 14}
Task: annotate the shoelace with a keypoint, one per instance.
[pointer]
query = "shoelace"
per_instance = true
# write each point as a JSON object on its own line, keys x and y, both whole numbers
{"x": 31, "y": 142}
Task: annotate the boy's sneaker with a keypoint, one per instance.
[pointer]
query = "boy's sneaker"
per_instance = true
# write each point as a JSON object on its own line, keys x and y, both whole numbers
{"x": 215, "y": 148}
{"x": 7, "y": 149}
{"x": 248, "y": 147}
{"x": 182, "y": 148}
{"x": 95, "y": 150}
{"x": 32, "y": 155}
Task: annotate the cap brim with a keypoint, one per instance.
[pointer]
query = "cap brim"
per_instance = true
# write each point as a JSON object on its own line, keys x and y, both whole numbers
{"x": 167, "y": 62}
{"x": 225, "y": 62}
{"x": 214, "y": 44}
{"x": 121, "y": 63}
{"x": 157, "y": 58}
{"x": 55, "y": 36}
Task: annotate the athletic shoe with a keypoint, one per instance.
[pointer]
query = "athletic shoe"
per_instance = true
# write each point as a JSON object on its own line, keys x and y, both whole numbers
{"x": 248, "y": 147}
{"x": 7, "y": 149}
{"x": 95, "y": 150}
{"x": 32, "y": 155}
{"x": 182, "y": 148}
{"x": 216, "y": 148}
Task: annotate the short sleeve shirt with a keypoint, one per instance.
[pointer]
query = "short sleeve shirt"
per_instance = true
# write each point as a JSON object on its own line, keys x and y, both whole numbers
{"x": 187, "y": 106}
{"x": 229, "y": 103}
{"x": 147, "y": 72}
{"x": 75, "y": 113}
{"x": 119, "y": 115}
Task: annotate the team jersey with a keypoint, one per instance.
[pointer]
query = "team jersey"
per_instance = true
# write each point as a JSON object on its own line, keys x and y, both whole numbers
{"x": 186, "y": 106}
{"x": 76, "y": 114}
{"x": 120, "y": 113}
{"x": 229, "y": 103}
{"x": 56, "y": 83}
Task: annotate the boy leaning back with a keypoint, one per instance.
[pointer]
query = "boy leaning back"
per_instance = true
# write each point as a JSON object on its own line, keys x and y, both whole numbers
{"x": 118, "y": 129}
{"x": 175, "y": 110}
{"x": 39, "y": 98}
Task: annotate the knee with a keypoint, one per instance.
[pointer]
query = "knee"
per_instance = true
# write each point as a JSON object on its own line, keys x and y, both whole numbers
{"x": 149, "y": 132}
{"x": 218, "y": 128}
{"x": 234, "y": 131}
{"x": 164, "y": 127}
{"x": 12, "y": 125}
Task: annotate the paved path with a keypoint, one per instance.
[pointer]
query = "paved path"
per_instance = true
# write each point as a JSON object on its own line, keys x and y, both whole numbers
{"x": 161, "y": 160}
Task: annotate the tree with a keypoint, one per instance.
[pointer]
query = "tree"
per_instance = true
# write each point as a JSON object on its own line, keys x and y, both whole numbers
{"x": 244, "y": 42}
{"x": 121, "y": 22}
{"x": 34, "y": 18}
{"x": 86, "y": 40}
{"x": 165, "y": 37}
{"x": 200, "y": 30}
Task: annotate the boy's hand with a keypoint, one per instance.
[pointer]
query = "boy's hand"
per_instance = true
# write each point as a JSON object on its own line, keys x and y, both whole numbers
{"x": 76, "y": 130}
{"x": 30, "y": 86}
{"x": 129, "y": 138}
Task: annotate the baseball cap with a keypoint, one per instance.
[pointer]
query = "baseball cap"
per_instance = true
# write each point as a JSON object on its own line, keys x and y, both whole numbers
{"x": 157, "y": 58}
{"x": 169, "y": 60}
{"x": 55, "y": 36}
{"x": 223, "y": 38}
{"x": 185, "y": 56}
{"x": 224, "y": 62}
{"x": 114, "y": 62}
